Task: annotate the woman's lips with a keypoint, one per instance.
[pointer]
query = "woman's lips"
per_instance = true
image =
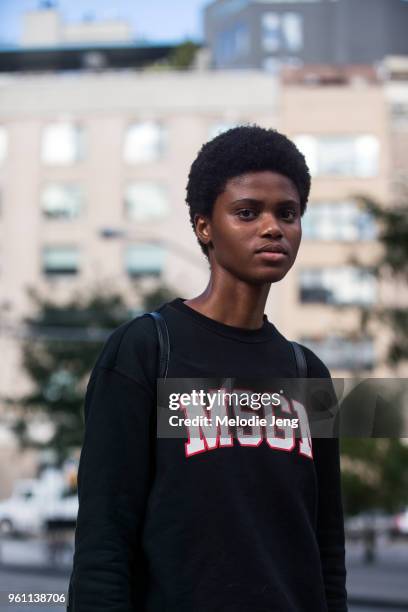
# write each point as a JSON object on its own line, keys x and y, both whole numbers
{"x": 271, "y": 255}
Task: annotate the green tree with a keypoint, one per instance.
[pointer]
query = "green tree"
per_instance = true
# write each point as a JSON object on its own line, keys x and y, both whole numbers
{"x": 375, "y": 470}
{"x": 61, "y": 347}
{"x": 391, "y": 267}
{"x": 181, "y": 57}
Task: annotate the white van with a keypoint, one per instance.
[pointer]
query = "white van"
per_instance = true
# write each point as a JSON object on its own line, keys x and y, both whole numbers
{"x": 35, "y": 501}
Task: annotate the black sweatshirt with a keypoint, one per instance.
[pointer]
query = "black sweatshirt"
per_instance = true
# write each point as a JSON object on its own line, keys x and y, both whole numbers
{"x": 237, "y": 529}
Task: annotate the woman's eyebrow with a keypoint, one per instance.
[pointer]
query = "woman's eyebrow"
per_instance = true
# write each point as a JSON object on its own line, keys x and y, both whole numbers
{"x": 247, "y": 201}
{"x": 257, "y": 202}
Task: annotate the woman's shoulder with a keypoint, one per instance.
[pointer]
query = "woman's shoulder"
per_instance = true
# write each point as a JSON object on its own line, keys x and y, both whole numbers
{"x": 131, "y": 349}
{"x": 316, "y": 368}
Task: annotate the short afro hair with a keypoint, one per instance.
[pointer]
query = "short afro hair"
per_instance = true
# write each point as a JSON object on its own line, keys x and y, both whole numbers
{"x": 242, "y": 149}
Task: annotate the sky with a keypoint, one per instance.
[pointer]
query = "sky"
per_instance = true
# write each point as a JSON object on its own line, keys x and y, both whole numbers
{"x": 156, "y": 20}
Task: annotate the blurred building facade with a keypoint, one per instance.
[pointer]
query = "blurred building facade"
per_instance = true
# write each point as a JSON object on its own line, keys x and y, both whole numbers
{"x": 48, "y": 43}
{"x": 104, "y": 160}
{"x": 265, "y": 34}
{"x": 342, "y": 125}
{"x": 93, "y": 167}
{"x": 45, "y": 27}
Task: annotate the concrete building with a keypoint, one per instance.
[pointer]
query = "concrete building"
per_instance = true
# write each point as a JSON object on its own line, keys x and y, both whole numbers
{"x": 92, "y": 179}
{"x": 93, "y": 168}
{"x": 64, "y": 226}
{"x": 396, "y": 91}
{"x": 269, "y": 33}
{"x": 108, "y": 153}
{"x": 343, "y": 129}
{"x": 45, "y": 27}
{"x": 48, "y": 43}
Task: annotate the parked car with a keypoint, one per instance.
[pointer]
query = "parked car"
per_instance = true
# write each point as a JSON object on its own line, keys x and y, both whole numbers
{"x": 35, "y": 503}
{"x": 21, "y": 513}
{"x": 400, "y": 524}
{"x": 62, "y": 509}
{"x": 376, "y": 522}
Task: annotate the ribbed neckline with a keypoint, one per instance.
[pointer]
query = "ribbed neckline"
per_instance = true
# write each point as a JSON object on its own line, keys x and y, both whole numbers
{"x": 241, "y": 334}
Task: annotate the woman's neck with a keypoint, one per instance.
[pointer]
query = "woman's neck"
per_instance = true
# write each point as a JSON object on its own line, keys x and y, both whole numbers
{"x": 232, "y": 301}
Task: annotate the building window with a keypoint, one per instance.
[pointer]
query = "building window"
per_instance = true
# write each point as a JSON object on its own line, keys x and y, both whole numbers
{"x": 340, "y": 155}
{"x": 292, "y": 31}
{"x": 271, "y": 34}
{"x": 144, "y": 142}
{"x": 61, "y": 201}
{"x": 399, "y": 114}
{"x": 282, "y": 32}
{"x": 232, "y": 43}
{"x": 242, "y": 41}
{"x": 62, "y": 144}
{"x": 344, "y": 221}
{"x": 343, "y": 353}
{"x": 146, "y": 200}
{"x": 3, "y": 144}
{"x": 144, "y": 259}
{"x": 272, "y": 65}
{"x": 60, "y": 260}
{"x": 339, "y": 286}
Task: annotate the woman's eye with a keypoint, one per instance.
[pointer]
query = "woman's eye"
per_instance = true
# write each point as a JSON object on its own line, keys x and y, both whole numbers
{"x": 247, "y": 214}
{"x": 289, "y": 213}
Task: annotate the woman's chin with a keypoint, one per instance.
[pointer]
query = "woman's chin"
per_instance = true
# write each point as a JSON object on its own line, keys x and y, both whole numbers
{"x": 265, "y": 277}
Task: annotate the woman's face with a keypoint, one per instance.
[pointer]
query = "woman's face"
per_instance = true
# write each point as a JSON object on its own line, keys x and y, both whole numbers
{"x": 256, "y": 213}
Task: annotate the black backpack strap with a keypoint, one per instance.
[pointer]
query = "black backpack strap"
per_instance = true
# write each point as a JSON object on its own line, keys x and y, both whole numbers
{"x": 301, "y": 364}
{"x": 164, "y": 348}
{"x": 164, "y": 342}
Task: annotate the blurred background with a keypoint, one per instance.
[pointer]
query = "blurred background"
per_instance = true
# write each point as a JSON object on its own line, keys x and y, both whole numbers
{"x": 103, "y": 107}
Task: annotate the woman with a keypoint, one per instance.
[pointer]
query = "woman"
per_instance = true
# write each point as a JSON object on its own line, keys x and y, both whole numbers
{"x": 243, "y": 528}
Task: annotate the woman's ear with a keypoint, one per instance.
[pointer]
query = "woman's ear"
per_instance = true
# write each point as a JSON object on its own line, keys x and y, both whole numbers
{"x": 202, "y": 226}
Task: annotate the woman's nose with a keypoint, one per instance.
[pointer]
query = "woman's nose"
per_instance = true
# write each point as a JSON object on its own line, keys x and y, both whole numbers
{"x": 271, "y": 227}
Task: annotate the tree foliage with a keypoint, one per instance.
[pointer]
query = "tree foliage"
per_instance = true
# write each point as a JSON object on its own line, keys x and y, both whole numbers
{"x": 59, "y": 351}
{"x": 181, "y": 57}
{"x": 375, "y": 470}
{"x": 392, "y": 267}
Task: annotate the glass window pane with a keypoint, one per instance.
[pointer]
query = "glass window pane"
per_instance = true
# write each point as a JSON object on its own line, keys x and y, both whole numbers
{"x": 61, "y": 201}
{"x": 242, "y": 40}
{"x": 340, "y": 155}
{"x": 338, "y": 220}
{"x": 232, "y": 43}
{"x": 3, "y": 144}
{"x": 144, "y": 259}
{"x": 399, "y": 114}
{"x": 146, "y": 200}
{"x": 271, "y": 65}
{"x": 271, "y": 34}
{"x": 144, "y": 142}
{"x": 336, "y": 156}
{"x": 60, "y": 260}
{"x": 62, "y": 144}
{"x": 367, "y": 150}
{"x": 343, "y": 353}
{"x": 292, "y": 31}
{"x": 339, "y": 286}
{"x": 308, "y": 146}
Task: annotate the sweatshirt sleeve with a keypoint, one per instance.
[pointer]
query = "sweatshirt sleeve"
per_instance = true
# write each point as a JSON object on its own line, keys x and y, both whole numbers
{"x": 113, "y": 479}
{"x": 330, "y": 517}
